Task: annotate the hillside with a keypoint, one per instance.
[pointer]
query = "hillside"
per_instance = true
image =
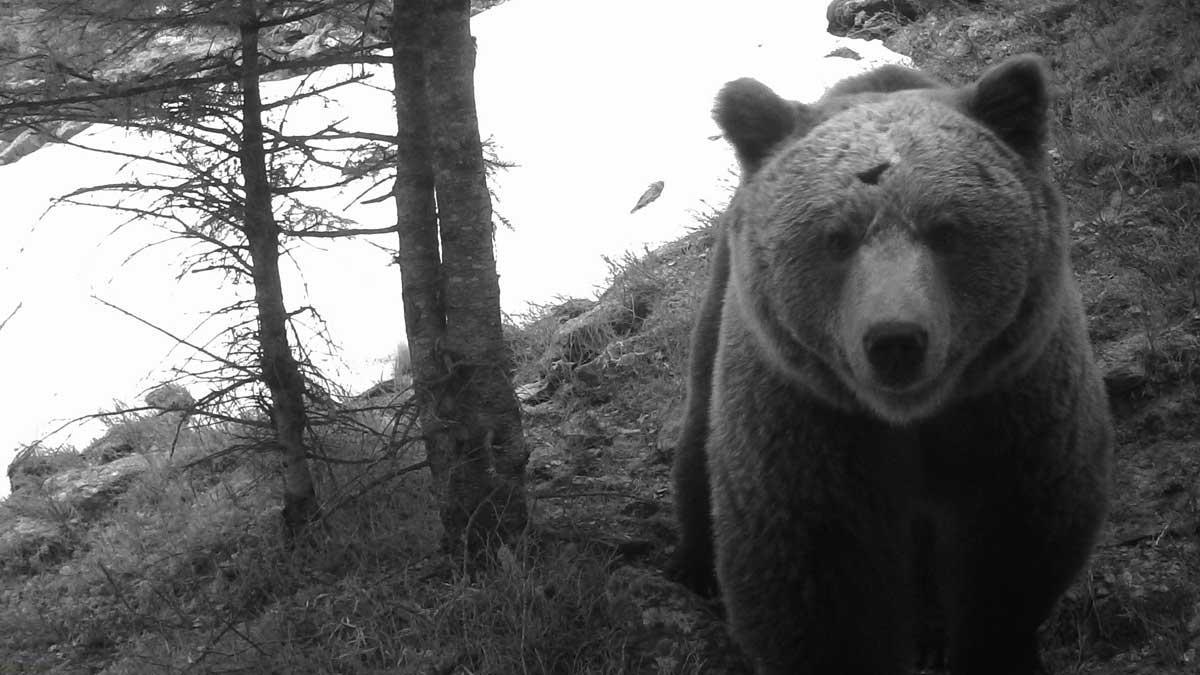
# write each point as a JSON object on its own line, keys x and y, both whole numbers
{"x": 169, "y": 559}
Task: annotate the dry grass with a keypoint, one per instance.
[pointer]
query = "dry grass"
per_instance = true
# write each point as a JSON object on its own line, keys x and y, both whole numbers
{"x": 188, "y": 573}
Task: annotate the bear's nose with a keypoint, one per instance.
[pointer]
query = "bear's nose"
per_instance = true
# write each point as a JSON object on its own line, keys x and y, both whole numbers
{"x": 896, "y": 351}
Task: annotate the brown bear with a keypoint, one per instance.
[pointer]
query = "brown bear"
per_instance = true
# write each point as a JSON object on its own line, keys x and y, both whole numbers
{"x": 893, "y": 412}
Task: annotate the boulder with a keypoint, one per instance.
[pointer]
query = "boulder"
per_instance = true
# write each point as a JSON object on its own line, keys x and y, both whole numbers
{"x": 92, "y": 489}
{"x": 170, "y": 396}
{"x": 1135, "y": 363}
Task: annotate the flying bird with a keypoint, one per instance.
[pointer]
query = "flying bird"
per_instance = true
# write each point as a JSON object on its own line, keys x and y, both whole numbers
{"x": 649, "y": 195}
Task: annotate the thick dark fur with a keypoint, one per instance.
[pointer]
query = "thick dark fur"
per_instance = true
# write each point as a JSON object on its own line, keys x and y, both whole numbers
{"x": 892, "y": 395}
{"x": 693, "y": 562}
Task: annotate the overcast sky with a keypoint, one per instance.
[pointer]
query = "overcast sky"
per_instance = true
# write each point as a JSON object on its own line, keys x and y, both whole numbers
{"x": 593, "y": 102}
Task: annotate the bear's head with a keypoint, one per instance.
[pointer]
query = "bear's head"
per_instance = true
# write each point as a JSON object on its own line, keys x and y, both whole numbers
{"x": 897, "y": 243}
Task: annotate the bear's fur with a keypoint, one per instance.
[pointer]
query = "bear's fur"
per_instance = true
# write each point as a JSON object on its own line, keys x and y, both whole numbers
{"x": 893, "y": 408}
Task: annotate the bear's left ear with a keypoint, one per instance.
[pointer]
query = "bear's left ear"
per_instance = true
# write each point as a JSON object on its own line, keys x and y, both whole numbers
{"x": 755, "y": 120}
{"x": 1013, "y": 99}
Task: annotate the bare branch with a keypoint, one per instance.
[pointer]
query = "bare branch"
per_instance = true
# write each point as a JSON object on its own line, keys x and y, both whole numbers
{"x": 333, "y": 234}
{"x": 169, "y": 334}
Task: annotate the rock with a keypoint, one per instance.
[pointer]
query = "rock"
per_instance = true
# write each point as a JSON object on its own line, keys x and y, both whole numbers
{"x": 584, "y": 337}
{"x": 33, "y": 463}
{"x": 870, "y": 18}
{"x": 844, "y": 53}
{"x": 170, "y": 396}
{"x": 1133, "y": 363}
{"x": 1125, "y": 378}
{"x": 535, "y": 393}
{"x": 548, "y": 319}
{"x": 29, "y": 543}
{"x": 92, "y": 489}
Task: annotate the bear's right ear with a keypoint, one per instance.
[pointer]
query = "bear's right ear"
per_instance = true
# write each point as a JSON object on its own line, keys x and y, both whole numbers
{"x": 1013, "y": 100}
{"x": 754, "y": 119}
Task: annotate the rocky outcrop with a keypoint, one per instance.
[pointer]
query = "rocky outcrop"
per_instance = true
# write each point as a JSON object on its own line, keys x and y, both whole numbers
{"x": 43, "y": 509}
{"x": 870, "y": 18}
{"x": 89, "y": 490}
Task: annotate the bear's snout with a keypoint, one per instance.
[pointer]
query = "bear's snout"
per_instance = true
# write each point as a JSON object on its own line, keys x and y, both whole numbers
{"x": 892, "y": 328}
{"x": 896, "y": 351}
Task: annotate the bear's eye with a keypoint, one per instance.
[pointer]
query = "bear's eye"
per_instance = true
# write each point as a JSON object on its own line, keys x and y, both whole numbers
{"x": 840, "y": 243}
{"x": 943, "y": 236}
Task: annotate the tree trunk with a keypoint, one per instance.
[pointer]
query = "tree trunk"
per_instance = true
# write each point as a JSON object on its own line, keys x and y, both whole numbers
{"x": 473, "y": 426}
{"x": 279, "y": 369}
{"x": 419, "y": 253}
{"x": 490, "y": 485}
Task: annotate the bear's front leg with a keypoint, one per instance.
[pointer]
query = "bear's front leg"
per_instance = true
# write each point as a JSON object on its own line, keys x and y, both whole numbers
{"x": 811, "y": 512}
{"x": 1022, "y": 476}
{"x": 693, "y": 561}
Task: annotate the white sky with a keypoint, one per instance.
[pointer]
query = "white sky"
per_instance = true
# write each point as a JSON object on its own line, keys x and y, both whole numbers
{"x": 593, "y": 102}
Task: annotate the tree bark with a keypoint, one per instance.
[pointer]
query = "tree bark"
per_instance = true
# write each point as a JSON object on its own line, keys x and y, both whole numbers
{"x": 280, "y": 372}
{"x": 490, "y": 485}
{"x": 419, "y": 254}
{"x": 472, "y": 425}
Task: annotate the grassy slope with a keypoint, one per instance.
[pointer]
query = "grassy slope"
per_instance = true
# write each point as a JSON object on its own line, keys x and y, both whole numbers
{"x": 185, "y": 571}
